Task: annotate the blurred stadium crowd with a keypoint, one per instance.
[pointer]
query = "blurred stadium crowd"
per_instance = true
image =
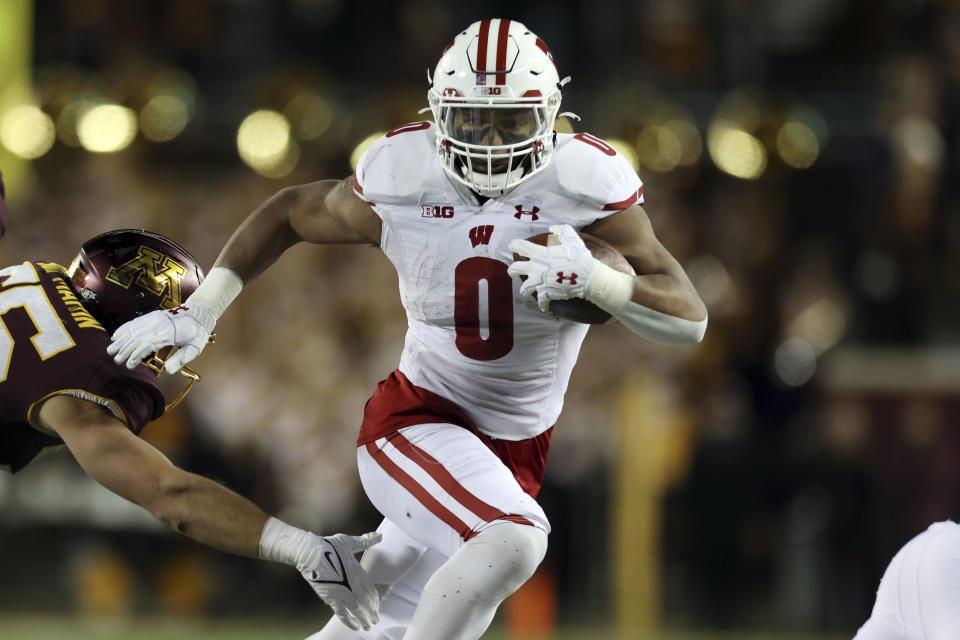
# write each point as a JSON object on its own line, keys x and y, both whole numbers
{"x": 800, "y": 160}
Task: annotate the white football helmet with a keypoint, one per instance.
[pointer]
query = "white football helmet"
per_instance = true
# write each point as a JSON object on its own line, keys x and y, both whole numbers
{"x": 494, "y": 97}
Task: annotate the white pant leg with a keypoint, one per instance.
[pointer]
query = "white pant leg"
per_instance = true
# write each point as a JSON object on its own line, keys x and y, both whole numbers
{"x": 460, "y": 600}
{"x": 919, "y": 595}
{"x": 400, "y": 567}
{"x": 938, "y": 580}
{"x": 886, "y": 621}
{"x": 441, "y": 485}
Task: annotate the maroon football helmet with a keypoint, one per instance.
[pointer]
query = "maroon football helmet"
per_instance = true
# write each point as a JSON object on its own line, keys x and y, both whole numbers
{"x": 126, "y": 273}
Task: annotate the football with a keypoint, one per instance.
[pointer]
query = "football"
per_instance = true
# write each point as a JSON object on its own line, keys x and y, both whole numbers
{"x": 578, "y": 309}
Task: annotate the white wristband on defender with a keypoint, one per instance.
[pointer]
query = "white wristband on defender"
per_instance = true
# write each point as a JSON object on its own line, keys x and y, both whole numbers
{"x": 217, "y": 290}
{"x": 280, "y": 542}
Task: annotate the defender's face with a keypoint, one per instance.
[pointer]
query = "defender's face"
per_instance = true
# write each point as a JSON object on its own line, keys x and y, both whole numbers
{"x": 490, "y": 127}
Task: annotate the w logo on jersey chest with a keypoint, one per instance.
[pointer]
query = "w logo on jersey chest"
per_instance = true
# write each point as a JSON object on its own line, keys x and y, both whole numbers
{"x": 481, "y": 235}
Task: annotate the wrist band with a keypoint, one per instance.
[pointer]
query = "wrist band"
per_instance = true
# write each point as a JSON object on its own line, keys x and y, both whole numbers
{"x": 282, "y": 543}
{"x": 609, "y": 289}
{"x": 217, "y": 290}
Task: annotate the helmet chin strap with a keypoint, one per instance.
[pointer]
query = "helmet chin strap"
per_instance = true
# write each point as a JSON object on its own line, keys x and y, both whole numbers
{"x": 477, "y": 179}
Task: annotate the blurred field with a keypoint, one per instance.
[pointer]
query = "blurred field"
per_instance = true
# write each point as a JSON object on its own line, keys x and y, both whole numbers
{"x": 57, "y": 628}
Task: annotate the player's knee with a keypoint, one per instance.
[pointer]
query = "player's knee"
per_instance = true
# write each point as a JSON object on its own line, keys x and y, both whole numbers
{"x": 518, "y": 548}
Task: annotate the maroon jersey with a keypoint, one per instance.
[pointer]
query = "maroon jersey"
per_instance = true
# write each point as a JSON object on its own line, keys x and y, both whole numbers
{"x": 50, "y": 345}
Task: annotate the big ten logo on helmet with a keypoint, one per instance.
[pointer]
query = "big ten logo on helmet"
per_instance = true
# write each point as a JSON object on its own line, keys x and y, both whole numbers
{"x": 436, "y": 211}
{"x": 153, "y": 271}
{"x": 488, "y": 91}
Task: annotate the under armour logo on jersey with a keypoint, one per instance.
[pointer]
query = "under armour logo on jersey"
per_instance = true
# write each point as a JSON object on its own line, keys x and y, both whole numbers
{"x": 481, "y": 235}
{"x": 532, "y": 213}
{"x": 436, "y": 211}
{"x": 179, "y": 309}
{"x": 572, "y": 278}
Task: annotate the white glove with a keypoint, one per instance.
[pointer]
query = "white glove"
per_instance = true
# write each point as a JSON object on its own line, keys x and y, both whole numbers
{"x": 187, "y": 327}
{"x": 334, "y": 573}
{"x": 559, "y": 272}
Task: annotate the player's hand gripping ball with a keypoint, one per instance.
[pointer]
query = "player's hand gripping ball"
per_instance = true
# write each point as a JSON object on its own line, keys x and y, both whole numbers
{"x": 561, "y": 271}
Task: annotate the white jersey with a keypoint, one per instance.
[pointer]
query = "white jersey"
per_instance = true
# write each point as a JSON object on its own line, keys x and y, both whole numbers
{"x": 470, "y": 337}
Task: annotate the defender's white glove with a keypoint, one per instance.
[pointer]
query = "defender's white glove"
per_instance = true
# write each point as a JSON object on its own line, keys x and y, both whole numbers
{"x": 334, "y": 573}
{"x": 187, "y": 327}
{"x": 559, "y": 272}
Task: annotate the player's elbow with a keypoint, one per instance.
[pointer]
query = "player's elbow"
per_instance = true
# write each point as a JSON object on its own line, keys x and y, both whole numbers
{"x": 680, "y": 333}
{"x": 170, "y": 501}
{"x": 662, "y": 327}
{"x": 695, "y": 337}
{"x": 692, "y": 332}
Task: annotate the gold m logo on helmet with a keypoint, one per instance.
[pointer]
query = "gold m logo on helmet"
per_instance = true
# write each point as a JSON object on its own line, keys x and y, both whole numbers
{"x": 152, "y": 271}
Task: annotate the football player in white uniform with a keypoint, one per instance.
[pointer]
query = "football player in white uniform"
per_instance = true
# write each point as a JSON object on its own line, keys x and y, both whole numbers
{"x": 453, "y": 443}
{"x": 919, "y": 594}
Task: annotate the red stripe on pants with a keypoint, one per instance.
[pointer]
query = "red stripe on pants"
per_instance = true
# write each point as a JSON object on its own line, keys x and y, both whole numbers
{"x": 418, "y": 492}
{"x": 443, "y": 477}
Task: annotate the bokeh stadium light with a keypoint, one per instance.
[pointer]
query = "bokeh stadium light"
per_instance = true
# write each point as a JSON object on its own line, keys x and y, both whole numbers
{"x": 736, "y": 151}
{"x": 921, "y": 141}
{"x": 797, "y": 145}
{"x": 674, "y": 142}
{"x": 731, "y": 142}
{"x": 821, "y": 324}
{"x": 795, "y": 362}
{"x": 171, "y": 106}
{"x": 106, "y": 128}
{"x": 163, "y": 118}
{"x": 26, "y": 131}
{"x": 69, "y": 119}
{"x": 310, "y": 115}
{"x": 363, "y": 146}
{"x": 265, "y": 144}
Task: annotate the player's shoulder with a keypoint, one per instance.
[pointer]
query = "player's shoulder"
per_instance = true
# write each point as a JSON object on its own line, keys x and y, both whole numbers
{"x": 74, "y": 357}
{"x": 591, "y": 170}
{"x": 397, "y": 164}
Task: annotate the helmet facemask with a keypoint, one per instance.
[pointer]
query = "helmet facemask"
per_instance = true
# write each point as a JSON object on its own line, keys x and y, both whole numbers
{"x": 494, "y": 144}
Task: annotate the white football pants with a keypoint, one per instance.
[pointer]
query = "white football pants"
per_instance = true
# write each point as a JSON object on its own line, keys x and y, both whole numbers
{"x": 459, "y": 535}
{"x": 919, "y": 595}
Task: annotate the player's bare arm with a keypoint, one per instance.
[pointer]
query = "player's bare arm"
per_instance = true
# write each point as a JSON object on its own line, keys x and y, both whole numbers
{"x": 661, "y": 283}
{"x": 204, "y": 510}
{"x": 322, "y": 212}
{"x": 658, "y": 303}
{"x": 130, "y": 467}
